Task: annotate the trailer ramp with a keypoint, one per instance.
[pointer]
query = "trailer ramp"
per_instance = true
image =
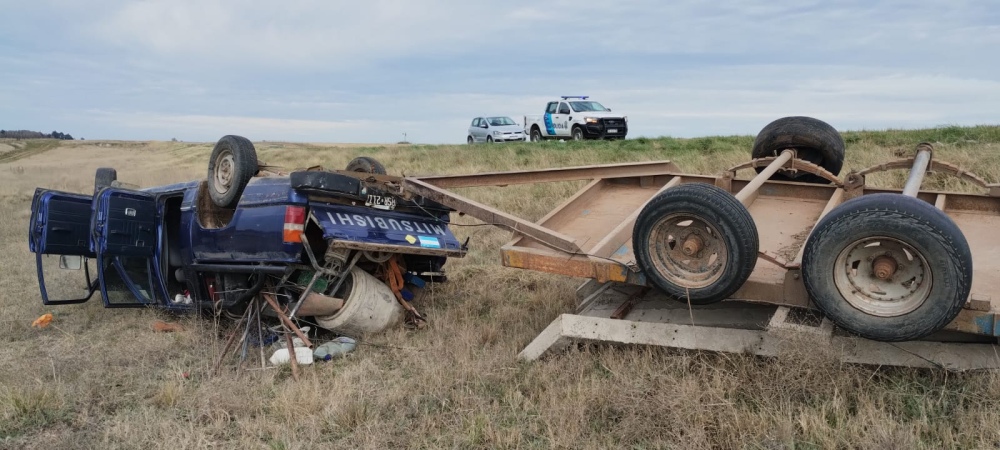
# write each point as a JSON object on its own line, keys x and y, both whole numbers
{"x": 646, "y": 318}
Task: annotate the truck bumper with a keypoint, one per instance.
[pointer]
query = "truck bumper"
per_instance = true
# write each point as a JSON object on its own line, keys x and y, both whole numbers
{"x": 616, "y": 129}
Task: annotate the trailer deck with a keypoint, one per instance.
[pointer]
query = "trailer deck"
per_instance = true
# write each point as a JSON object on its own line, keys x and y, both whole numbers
{"x": 590, "y": 236}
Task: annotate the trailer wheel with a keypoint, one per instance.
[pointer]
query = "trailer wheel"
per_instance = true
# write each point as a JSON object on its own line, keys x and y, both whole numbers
{"x": 536, "y": 134}
{"x": 232, "y": 164}
{"x": 814, "y": 141}
{"x": 367, "y": 165}
{"x": 104, "y": 177}
{"x": 888, "y": 267}
{"x": 696, "y": 241}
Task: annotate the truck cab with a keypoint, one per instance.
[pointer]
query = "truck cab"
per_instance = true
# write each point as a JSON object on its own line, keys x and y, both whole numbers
{"x": 577, "y": 118}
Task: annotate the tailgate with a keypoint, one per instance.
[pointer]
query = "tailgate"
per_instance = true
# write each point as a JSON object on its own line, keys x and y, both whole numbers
{"x": 365, "y": 228}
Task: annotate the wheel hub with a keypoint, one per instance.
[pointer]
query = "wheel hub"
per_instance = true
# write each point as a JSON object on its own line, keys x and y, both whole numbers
{"x": 688, "y": 250}
{"x": 225, "y": 167}
{"x": 883, "y": 276}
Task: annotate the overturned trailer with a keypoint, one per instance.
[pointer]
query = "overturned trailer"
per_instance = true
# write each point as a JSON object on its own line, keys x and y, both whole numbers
{"x": 898, "y": 277}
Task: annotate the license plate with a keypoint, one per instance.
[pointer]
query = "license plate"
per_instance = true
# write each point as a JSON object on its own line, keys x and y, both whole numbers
{"x": 381, "y": 202}
{"x": 612, "y": 130}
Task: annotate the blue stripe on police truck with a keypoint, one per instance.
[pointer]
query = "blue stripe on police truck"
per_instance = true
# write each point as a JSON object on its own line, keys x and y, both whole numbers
{"x": 371, "y": 222}
{"x": 550, "y": 128}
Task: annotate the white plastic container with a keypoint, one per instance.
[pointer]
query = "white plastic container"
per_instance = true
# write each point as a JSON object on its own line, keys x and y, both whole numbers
{"x": 303, "y": 355}
{"x": 369, "y": 307}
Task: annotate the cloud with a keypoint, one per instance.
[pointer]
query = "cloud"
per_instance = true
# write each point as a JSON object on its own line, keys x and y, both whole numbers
{"x": 369, "y": 71}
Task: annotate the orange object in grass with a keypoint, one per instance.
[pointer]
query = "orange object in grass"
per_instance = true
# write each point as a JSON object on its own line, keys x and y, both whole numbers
{"x": 43, "y": 321}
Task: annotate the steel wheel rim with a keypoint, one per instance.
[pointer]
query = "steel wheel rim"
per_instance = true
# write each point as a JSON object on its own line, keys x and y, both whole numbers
{"x": 225, "y": 169}
{"x": 907, "y": 288}
{"x": 667, "y": 242}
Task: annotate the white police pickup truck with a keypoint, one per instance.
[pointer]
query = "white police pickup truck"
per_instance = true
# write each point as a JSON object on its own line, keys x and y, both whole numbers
{"x": 577, "y": 118}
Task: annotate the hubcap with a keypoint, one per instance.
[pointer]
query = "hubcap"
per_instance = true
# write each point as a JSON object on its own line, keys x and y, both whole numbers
{"x": 882, "y": 276}
{"x": 688, "y": 251}
{"x": 225, "y": 168}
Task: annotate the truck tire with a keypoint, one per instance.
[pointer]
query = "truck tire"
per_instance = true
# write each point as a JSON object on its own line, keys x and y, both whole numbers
{"x": 814, "y": 141}
{"x": 104, "y": 177}
{"x": 577, "y": 133}
{"x": 232, "y": 164}
{"x": 536, "y": 134}
{"x": 696, "y": 242}
{"x": 366, "y": 164}
{"x": 888, "y": 267}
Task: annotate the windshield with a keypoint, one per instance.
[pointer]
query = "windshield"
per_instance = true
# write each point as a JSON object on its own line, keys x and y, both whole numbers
{"x": 500, "y": 121}
{"x": 587, "y": 106}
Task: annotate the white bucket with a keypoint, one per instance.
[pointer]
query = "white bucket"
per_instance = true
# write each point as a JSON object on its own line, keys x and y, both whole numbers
{"x": 369, "y": 307}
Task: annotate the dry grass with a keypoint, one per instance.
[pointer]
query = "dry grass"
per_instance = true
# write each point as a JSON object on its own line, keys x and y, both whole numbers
{"x": 102, "y": 378}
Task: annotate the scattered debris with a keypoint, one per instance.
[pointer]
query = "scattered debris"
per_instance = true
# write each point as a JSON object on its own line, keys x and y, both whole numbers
{"x": 42, "y": 321}
{"x": 166, "y": 327}
{"x": 338, "y": 347}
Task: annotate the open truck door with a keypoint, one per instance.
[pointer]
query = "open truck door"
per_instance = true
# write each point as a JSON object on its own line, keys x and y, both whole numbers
{"x": 125, "y": 240}
{"x": 59, "y": 235}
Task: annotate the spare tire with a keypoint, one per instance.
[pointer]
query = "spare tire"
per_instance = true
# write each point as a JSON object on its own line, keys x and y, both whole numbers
{"x": 367, "y": 165}
{"x": 232, "y": 164}
{"x": 812, "y": 139}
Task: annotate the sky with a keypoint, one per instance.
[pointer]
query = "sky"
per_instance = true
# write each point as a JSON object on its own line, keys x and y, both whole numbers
{"x": 370, "y": 71}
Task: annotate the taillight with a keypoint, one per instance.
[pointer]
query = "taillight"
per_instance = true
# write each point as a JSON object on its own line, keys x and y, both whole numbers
{"x": 295, "y": 219}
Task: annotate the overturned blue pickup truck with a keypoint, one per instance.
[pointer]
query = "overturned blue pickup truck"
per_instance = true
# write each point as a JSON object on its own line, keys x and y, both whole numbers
{"x": 245, "y": 230}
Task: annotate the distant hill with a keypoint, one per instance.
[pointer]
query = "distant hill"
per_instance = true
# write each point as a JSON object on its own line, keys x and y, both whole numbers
{"x": 25, "y": 134}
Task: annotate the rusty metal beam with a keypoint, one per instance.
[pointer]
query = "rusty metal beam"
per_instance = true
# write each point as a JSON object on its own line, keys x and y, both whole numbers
{"x": 640, "y": 169}
{"x": 748, "y": 194}
{"x": 492, "y": 216}
{"x": 602, "y": 270}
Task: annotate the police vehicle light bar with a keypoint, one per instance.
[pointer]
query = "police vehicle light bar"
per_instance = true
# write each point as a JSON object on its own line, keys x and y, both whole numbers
{"x": 581, "y": 97}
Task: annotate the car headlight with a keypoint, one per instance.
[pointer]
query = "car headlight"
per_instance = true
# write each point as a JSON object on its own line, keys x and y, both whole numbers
{"x": 496, "y": 133}
{"x": 590, "y": 119}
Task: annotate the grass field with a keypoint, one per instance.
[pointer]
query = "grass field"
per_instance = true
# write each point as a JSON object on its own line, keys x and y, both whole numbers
{"x": 102, "y": 378}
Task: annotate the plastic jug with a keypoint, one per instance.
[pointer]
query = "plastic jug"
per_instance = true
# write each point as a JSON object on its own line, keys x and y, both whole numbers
{"x": 335, "y": 348}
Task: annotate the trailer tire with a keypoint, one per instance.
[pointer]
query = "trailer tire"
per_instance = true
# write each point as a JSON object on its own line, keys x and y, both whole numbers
{"x": 366, "y": 164}
{"x": 913, "y": 241}
{"x": 104, "y": 177}
{"x": 536, "y": 134}
{"x": 710, "y": 223}
{"x": 814, "y": 141}
{"x": 232, "y": 164}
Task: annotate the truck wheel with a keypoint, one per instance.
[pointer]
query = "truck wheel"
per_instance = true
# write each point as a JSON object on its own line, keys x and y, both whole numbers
{"x": 888, "y": 267}
{"x": 104, "y": 177}
{"x": 366, "y": 164}
{"x": 536, "y": 134}
{"x": 489, "y": 139}
{"x": 696, "y": 241}
{"x": 814, "y": 141}
{"x": 577, "y": 134}
{"x": 469, "y": 140}
{"x": 232, "y": 164}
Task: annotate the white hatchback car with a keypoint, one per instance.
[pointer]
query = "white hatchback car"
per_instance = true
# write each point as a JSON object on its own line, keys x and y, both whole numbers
{"x": 495, "y": 129}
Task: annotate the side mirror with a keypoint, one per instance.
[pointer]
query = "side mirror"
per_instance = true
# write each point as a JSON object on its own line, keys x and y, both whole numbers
{"x": 485, "y": 125}
{"x": 70, "y": 262}
{"x": 609, "y": 109}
